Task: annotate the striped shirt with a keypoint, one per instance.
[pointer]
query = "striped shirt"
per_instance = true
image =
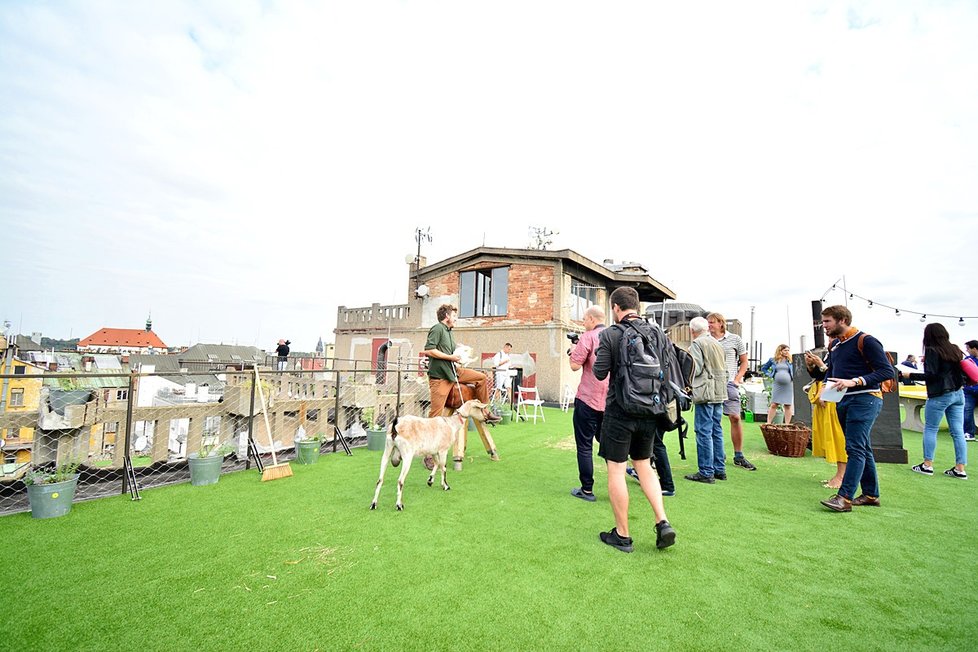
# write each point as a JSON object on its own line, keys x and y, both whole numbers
{"x": 733, "y": 347}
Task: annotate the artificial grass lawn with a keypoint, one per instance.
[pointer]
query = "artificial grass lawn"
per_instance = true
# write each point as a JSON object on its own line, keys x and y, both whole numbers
{"x": 505, "y": 560}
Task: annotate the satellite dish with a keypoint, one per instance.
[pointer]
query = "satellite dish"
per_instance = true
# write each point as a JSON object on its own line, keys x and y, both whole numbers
{"x": 141, "y": 443}
{"x": 409, "y": 259}
{"x": 422, "y": 291}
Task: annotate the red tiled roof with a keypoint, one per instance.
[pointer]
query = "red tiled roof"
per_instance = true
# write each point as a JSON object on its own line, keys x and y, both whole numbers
{"x": 131, "y": 337}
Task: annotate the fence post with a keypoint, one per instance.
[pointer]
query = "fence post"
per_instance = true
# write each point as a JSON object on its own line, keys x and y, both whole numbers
{"x": 252, "y": 448}
{"x": 397, "y": 404}
{"x": 128, "y": 473}
{"x": 337, "y": 410}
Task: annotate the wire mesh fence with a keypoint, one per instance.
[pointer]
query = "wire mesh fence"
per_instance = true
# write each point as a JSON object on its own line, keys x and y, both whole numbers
{"x": 127, "y": 432}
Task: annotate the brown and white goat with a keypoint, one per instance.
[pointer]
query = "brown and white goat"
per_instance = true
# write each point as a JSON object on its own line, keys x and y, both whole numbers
{"x": 412, "y": 437}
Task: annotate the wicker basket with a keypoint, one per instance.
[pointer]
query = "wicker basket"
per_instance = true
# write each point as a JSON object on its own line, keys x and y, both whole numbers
{"x": 786, "y": 440}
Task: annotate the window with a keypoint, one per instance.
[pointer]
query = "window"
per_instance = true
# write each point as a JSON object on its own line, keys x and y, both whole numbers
{"x": 484, "y": 292}
{"x": 582, "y": 297}
{"x": 121, "y": 394}
{"x": 16, "y": 397}
{"x": 20, "y": 371}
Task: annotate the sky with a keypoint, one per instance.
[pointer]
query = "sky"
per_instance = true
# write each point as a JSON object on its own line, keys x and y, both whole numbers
{"x": 241, "y": 169}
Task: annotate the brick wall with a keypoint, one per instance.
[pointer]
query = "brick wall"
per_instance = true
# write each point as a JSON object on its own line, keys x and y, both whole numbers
{"x": 531, "y": 292}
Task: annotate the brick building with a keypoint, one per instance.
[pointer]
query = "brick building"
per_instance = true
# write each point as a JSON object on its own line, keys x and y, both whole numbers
{"x": 529, "y": 297}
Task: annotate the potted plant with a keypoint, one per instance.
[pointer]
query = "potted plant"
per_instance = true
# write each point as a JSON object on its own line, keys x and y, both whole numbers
{"x": 51, "y": 491}
{"x": 307, "y": 450}
{"x": 502, "y": 409}
{"x": 375, "y": 434}
{"x": 205, "y": 465}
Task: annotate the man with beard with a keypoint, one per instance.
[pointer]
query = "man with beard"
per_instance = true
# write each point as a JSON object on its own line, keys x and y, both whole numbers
{"x": 858, "y": 369}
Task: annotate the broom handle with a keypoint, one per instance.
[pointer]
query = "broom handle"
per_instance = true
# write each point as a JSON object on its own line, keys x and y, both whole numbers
{"x": 264, "y": 413}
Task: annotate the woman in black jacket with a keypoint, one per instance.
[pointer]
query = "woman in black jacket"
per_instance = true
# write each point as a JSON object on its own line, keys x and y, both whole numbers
{"x": 942, "y": 373}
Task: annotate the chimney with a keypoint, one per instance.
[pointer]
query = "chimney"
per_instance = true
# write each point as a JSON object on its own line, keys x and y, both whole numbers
{"x": 413, "y": 268}
{"x": 149, "y": 322}
{"x": 36, "y": 337}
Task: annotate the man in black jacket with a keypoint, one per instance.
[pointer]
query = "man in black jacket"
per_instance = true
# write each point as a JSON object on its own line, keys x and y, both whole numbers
{"x": 624, "y": 435}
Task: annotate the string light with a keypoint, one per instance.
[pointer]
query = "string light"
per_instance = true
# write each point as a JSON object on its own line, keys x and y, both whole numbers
{"x": 897, "y": 312}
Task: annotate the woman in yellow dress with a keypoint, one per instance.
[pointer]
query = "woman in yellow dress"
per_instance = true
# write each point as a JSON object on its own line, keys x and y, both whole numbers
{"x": 828, "y": 441}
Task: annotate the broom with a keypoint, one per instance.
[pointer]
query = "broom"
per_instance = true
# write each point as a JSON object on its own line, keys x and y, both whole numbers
{"x": 276, "y": 470}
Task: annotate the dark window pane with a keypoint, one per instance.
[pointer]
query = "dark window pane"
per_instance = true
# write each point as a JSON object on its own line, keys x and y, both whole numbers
{"x": 500, "y": 290}
{"x": 466, "y": 294}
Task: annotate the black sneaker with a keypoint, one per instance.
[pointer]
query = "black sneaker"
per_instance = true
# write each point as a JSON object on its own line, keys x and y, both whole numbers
{"x": 954, "y": 473}
{"x": 719, "y": 476}
{"x": 920, "y": 468}
{"x": 665, "y": 536}
{"x": 742, "y": 461}
{"x": 699, "y": 477}
{"x": 631, "y": 472}
{"x": 622, "y": 543}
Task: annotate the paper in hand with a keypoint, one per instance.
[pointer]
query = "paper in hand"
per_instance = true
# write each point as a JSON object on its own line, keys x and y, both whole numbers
{"x": 830, "y": 394}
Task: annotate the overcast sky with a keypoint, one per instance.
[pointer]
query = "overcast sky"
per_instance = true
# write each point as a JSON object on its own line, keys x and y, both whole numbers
{"x": 243, "y": 168}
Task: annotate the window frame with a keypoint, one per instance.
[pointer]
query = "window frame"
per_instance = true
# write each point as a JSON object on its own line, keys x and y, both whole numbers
{"x": 484, "y": 292}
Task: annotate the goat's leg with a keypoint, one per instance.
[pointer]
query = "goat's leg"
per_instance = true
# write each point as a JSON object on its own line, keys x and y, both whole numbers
{"x": 383, "y": 469}
{"x": 434, "y": 470}
{"x": 407, "y": 459}
{"x": 442, "y": 462}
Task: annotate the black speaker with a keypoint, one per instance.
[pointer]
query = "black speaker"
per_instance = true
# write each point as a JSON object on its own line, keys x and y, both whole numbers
{"x": 818, "y": 333}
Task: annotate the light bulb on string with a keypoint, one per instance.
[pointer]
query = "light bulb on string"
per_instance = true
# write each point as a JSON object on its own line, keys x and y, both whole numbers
{"x": 870, "y": 305}
{"x": 897, "y": 312}
{"x": 961, "y": 322}
{"x": 923, "y": 318}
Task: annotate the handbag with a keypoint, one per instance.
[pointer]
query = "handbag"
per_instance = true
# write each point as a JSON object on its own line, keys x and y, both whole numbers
{"x": 454, "y": 399}
{"x": 969, "y": 370}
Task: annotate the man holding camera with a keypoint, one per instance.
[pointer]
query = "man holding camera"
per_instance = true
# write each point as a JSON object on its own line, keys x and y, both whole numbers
{"x": 590, "y": 399}
{"x": 282, "y": 351}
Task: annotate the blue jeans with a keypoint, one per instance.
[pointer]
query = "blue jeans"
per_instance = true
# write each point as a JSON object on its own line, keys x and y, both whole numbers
{"x": 707, "y": 422}
{"x": 969, "y": 413}
{"x": 952, "y": 405}
{"x": 857, "y": 414}
{"x": 587, "y": 428}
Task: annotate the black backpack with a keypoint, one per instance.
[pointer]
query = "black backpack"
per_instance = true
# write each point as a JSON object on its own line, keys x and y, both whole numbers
{"x": 649, "y": 373}
{"x": 654, "y": 376}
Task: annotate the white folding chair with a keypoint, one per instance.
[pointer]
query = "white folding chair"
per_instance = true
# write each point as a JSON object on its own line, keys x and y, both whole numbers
{"x": 566, "y": 398}
{"x": 528, "y": 396}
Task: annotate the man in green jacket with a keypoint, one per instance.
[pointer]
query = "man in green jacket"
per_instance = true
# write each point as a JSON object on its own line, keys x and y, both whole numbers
{"x": 442, "y": 372}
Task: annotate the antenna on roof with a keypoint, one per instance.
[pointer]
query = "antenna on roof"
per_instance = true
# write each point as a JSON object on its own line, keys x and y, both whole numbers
{"x": 540, "y": 237}
{"x": 419, "y": 235}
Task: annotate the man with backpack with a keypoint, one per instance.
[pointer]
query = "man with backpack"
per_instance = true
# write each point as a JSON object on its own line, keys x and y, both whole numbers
{"x": 629, "y": 427}
{"x": 709, "y": 393}
{"x": 858, "y": 366}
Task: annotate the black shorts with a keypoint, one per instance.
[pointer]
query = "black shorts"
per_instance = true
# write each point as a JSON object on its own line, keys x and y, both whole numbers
{"x": 624, "y": 438}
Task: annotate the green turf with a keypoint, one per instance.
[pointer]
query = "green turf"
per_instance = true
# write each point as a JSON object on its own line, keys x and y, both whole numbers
{"x": 506, "y": 560}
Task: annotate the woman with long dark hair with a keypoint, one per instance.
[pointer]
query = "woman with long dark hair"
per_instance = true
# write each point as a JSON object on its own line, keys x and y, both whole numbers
{"x": 945, "y": 398}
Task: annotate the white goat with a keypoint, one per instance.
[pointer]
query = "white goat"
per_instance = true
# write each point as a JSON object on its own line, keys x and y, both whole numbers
{"x": 415, "y": 436}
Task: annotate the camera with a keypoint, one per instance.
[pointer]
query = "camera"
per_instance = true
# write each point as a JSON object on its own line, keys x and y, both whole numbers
{"x": 574, "y": 337}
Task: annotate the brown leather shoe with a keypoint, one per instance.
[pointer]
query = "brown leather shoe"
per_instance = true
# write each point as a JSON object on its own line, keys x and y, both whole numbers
{"x": 491, "y": 418}
{"x": 838, "y": 504}
{"x": 866, "y": 501}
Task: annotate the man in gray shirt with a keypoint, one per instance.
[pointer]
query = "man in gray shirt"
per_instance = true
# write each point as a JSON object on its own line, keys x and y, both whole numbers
{"x": 735, "y": 352}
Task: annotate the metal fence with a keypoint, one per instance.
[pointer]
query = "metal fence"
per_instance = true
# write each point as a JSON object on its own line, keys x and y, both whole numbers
{"x": 134, "y": 431}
